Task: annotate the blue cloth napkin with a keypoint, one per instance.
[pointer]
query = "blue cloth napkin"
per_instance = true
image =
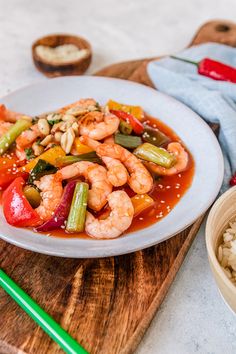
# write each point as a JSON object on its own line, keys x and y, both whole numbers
{"x": 215, "y": 101}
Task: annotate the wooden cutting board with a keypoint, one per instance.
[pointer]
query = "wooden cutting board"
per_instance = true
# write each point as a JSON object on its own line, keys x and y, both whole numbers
{"x": 106, "y": 304}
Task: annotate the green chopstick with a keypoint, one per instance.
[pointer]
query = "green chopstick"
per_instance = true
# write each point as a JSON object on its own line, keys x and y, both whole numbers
{"x": 46, "y": 322}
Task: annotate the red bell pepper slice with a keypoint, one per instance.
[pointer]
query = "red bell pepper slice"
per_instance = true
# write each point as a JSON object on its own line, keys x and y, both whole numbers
{"x": 16, "y": 208}
{"x": 9, "y": 170}
{"x": 134, "y": 122}
{"x": 6, "y": 177}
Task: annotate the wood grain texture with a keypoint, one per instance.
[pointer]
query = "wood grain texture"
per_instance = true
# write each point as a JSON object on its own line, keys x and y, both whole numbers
{"x": 106, "y": 304}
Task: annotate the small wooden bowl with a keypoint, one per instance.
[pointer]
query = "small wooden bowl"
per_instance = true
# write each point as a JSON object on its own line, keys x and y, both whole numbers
{"x": 51, "y": 69}
{"x": 222, "y": 212}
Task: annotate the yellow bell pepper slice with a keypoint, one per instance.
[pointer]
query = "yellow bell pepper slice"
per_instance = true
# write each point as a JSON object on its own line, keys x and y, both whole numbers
{"x": 136, "y": 111}
{"x": 50, "y": 156}
{"x": 141, "y": 202}
{"x": 81, "y": 148}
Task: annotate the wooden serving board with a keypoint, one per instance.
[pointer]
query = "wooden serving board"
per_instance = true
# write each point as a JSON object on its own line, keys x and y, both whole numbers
{"x": 106, "y": 304}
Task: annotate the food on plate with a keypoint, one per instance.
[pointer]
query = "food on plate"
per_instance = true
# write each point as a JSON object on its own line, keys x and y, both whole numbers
{"x": 88, "y": 170}
{"x": 227, "y": 251}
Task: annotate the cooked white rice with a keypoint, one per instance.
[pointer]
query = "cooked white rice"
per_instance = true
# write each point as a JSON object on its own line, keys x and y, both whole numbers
{"x": 227, "y": 252}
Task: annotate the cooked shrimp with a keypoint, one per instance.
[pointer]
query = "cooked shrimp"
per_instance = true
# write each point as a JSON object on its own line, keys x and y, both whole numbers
{"x": 181, "y": 164}
{"x": 96, "y": 175}
{"x": 109, "y": 140}
{"x": 98, "y": 125}
{"x": 120, "y": 218}
{"x": 4, "y": 127}
{"x": 20, "y": 153}
{"x": 10, "y": 116}
{"x": 140, "y": 180}
{"x": 117, "y": 173}
{"x": 28, "y": 137}
{"x": 51, "y": 193}
{"x": 80, "y": 107}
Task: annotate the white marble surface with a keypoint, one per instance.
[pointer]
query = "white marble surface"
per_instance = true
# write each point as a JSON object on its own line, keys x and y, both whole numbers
{"x": 193, "y": 317}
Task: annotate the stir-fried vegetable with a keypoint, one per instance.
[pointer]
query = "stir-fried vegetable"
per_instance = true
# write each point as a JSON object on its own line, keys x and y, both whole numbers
{"x": 141, "y": 202}
{"x": 10, "y": 136}
{"x": 77, "y": 215}
{"x": 125, "y": 128}
{"x": 68, "y": 160}
{"x": 50, "y": 156}
{"x": 155, "y": 136}
{"x": 81, "y": 148}
{"x": 41, "y": 169}
{"x": 128, "y": 141}
{"x": 134, "y": 122}
{"x": 136, "y": 111}
{"x": 155, "y": 154}
{"x": 6, "y": 176}
{"x": 32, "y": 195}
{"x": 9, "y": 170}
{"x": 60, "y": 215}
{"x": 16, "y": 208}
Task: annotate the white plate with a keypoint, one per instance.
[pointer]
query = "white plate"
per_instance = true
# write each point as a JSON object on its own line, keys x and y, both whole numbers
{"x": 198, "y": 137}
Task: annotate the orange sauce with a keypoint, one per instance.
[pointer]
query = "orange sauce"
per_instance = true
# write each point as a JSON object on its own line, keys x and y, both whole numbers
{"x": 167, "y": 191}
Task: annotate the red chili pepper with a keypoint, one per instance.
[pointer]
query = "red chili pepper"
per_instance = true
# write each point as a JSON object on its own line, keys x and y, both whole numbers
{"x": 232, "y": 182}
{"x": 134, "y": 122}
{"x": 213, "y": 69}
{"x": 16, "y": 208}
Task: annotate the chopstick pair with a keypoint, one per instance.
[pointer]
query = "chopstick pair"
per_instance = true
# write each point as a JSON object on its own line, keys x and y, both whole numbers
{"x": 46, "y": 322}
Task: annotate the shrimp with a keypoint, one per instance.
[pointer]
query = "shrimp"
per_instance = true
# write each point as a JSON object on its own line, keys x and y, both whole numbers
{"x": 80, "y": 107}
{"x": 109, "y": 140}
{"x": 96, "y": 175}
{"x": 117, "y": 173}
{"x": 181, "y": 164}
{"x": 98, "y": 125}
{"x": 20, "y": 153}
{"x": 120, "y": 218}
{"x": 9, "y": 116}
{"x": 4, "y": 127}
{"x": 28, "y": 137}
{"x": 51, "y": 193}
{"x": 140, "y": 180}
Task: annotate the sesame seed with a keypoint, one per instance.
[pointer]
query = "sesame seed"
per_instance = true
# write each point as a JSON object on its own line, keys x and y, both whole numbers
{"x": 179, "y": 175}
{"x": 162, "y": 201}
{"x": 140, "y": 218}
{"x": 178, "y": 195}
{"x": 167, "y": 187}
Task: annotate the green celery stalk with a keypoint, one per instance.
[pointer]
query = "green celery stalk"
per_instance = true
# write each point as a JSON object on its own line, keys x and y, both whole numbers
{"x": 77, "y": 214}
{"x": 128, "y": 141}
{"x": 155, "y": 154}
{"x": 68, "y": 160}
{"x": 155, "y": 136}
{"x": 10, "y": 136}
{"x": 125, "y": 128}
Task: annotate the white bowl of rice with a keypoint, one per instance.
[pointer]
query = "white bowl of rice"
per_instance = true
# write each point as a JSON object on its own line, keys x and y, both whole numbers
{"x": 221, "y": 245}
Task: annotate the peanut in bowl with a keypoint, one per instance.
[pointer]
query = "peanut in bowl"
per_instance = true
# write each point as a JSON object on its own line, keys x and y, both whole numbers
{"x": 220, "y": 221}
